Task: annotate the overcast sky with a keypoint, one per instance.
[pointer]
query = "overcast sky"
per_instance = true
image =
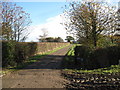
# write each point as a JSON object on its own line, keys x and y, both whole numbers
{"x": 46, "y": 14}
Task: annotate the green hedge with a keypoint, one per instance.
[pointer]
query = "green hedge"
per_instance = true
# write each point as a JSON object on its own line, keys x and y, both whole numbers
{"x": 24, "y": 50}
{"x": 44, "y": 47}
{"x": 97, "y": 58}
{"x": 8, "y": 53}
{"x": 14, "y": 53}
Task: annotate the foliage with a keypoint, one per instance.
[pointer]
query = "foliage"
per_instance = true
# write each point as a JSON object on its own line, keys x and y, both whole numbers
{"x": 51, "y": 39}
{"x": 69, "y": 38}
{"x": 14, "y": 29}
{"x": 21, "y": 51}
{"x": 30, "y": 60}
{"x": 87, "y": 20}
{"x": 113, "y": 53}
{"x": 8, "y": 49}
{"x": 14, "y": 22}
{"x": 97, "y": 58}
{"x": 116, "y": 39}
{"x": 24, "y": 50}
{"x": 16, "y": 53}
{"x": 87, "y": 58}
{"x": 58, "y": 39}
{"x": 104, "y": 41}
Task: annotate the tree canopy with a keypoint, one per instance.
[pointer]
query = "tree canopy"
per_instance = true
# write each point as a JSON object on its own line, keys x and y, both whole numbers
{"x": 15, "y": 22}
{"x": 51, "y": 39}
{"x": 69, "y": 38}
{"x": 88, "y": 20}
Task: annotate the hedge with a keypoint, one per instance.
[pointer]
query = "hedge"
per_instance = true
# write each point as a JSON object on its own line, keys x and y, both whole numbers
{"x": 14, "y": 53}
{"x": 97, "y": 58}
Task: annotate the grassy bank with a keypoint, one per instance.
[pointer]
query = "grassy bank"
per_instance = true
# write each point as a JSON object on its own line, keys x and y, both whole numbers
{"x": 68, "y": 61}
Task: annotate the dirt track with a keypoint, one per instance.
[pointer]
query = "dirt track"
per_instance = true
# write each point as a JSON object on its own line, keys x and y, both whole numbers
{"x": 43, "y": 74}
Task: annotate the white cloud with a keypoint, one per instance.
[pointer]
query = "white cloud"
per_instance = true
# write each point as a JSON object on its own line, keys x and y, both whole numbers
{"x": 53, "y": 26}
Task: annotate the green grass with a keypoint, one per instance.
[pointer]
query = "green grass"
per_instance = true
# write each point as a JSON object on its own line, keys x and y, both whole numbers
{"x": 56, "y": 50}
{"x": 71, "y": 50}
{"x": 111, "y": 69}
{"x": 30, "y": 60}
{"x": 68, "y": 61}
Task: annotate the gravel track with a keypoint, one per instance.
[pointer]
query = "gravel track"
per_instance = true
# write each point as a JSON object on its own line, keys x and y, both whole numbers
{"x": 46, "y": 73}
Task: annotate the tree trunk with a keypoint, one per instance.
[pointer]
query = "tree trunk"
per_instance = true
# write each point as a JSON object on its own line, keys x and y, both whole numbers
{"x": 94, "y": 34}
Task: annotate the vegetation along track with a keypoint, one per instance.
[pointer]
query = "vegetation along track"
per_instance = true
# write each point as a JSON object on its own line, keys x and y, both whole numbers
{"x": 46, "y": 73}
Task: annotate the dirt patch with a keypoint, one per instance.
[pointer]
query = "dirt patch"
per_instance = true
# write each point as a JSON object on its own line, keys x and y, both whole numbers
{"x": 87, "y": 81}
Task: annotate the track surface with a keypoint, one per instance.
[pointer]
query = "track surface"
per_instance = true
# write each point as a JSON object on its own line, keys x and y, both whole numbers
{"x": 43, "y": 74}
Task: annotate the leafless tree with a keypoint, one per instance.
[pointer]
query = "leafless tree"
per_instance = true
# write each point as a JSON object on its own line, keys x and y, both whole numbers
{"x": 44, "y": 35}
{"x": 14, "y": 22}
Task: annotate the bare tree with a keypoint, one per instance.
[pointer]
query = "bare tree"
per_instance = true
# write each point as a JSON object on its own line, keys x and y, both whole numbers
{"x": 14, "y": 22}
{"x": 44, "y": 35}
{"x": 90, "y": 19}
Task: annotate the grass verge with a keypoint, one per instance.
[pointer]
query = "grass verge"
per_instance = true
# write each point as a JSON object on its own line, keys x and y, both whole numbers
{"x": 107, "y": 70}
{"x": 68, "y": 61}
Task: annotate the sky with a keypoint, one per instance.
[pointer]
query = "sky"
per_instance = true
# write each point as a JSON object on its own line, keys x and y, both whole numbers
{"x": 46, "y": 15}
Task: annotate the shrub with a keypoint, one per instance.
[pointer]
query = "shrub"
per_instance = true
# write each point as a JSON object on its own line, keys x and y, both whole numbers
{"x": 8, "y": 49}
{"x": 113, "y": 54}
{"x": 15, "y": 53}
{"x": 81, "y": 55}
{"x": 23, "y": 51}
{"x": 97, "y": 58}
{"x": 104, "y": 42}
{"x": 107, "y": 56}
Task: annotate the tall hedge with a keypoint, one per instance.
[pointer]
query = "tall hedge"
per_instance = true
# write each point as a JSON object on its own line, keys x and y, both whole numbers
{"x": 8, "y": 49}
{"x": 14, "y": 53}
{"x": 97, "y": 58}
{"x": 24, "y": 50}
